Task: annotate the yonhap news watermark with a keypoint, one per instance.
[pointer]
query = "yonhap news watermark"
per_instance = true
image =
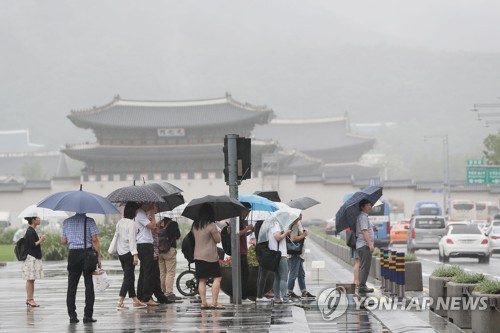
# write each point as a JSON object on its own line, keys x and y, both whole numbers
{"x": 333, "y": 302}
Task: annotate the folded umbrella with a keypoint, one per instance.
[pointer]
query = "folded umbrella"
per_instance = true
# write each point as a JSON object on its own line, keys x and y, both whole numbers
{"x": 213, "y": 208}
{"x": 80, "y": 202}
{"x": 302, "y": 203}
{"x": 348, "y": 213}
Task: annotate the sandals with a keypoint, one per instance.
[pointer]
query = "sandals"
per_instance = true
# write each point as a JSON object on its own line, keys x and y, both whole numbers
{"x": 31, "y": 302}
{"x": 206, "y": 307}
{"x": 218, "y": 307}
{"x": 139, "y": 305}
{"x": 121, "y": 306}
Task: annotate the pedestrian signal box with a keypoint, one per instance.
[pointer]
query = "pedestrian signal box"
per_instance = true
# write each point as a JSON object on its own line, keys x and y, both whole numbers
{"x": 243, "y": 159}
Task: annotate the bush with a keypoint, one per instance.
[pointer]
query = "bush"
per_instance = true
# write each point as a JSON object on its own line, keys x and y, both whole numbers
{"x": 7, "y": 235}
{"x": 411, "y": 257}
{"x": 251, "y": 257}
{"x": 465, "y": 277}
{"x": 488, "y": 287}
{"x": 447, "y": 271}
{"x": 52, "y": 249}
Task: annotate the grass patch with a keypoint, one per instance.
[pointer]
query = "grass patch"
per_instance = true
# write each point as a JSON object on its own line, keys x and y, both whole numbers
{"x": 488, "y": 287}
{"x": 465, "y": 277}
{"x": 410, "y": 257}
{"x": 7, "y": 252}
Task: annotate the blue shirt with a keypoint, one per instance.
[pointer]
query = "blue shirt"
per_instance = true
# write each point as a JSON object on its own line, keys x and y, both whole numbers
{"x": 363, "y": 223}
{"x": 73, "y": 231}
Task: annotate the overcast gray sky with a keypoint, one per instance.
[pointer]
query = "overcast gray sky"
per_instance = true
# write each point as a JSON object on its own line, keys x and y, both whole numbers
{"x": 414, "y": 62}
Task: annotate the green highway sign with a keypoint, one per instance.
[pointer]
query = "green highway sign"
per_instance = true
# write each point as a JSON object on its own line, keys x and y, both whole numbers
{"x": 483, "y": 175}
{"x": 475, "y": 163}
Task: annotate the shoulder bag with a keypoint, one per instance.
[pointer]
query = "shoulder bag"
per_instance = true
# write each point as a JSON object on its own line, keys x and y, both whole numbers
{"x": 294, "y": 247}
{"x": 267, "y": 258}
{"x": 113, "y": 246}
{"x": 90, "y": 257}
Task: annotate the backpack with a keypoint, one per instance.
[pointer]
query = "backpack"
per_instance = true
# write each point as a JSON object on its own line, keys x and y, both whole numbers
{"x": 187, "y": 247}
{"x": 164, "y": 243}
{"x": 20, "y": 249}
{"x": 225, "y": 239}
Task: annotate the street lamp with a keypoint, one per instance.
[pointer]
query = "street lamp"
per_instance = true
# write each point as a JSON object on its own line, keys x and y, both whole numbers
{"x": 446, "y": 172}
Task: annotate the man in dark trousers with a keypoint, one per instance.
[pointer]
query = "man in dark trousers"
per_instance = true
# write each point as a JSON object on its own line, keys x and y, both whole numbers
{"x": 72, "y": 235}
{"x": 364, "y": 244}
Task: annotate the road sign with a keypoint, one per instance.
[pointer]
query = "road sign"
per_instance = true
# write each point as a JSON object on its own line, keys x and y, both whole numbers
{"x": 483, "y": 175}
{"x": 475, "y": 163}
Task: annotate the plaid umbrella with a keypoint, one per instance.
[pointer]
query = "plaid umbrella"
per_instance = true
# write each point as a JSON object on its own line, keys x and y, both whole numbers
{"x": 348, "y": 213}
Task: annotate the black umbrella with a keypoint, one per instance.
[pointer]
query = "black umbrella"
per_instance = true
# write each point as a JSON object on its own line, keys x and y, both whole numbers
{"x": 302, "y": 203}
{"x": 271, "y": 195}
{"x": 134, "y": 193}
{"x": 213, "y": 208}
{"x": 170, "y": 193}
{"x": 348, "y": 213}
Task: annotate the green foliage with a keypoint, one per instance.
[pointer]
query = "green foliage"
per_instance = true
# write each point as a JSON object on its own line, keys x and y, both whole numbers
{"x": 465, "y": 277}
{"x": 411, "y": 257}
{"x": 447, "y": 271}
{"x": 376, "y": 252}
{"x": 488, "y": 287}
{"x": 251, "y": 257}
{"x": 492, "y": 152}
{"x": 52, "y": 249}
{"x": 6, "y": 236}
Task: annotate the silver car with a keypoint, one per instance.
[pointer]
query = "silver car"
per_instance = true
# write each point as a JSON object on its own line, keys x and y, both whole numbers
{"x": 425, "y": 232}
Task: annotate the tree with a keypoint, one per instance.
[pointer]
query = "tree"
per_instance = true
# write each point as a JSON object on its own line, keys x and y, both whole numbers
{"x": 492, "y": 152}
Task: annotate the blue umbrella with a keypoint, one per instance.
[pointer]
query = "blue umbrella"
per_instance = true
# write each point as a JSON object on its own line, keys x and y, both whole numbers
{"x": 259, "y": 203}
{"x": 348, "y": 213}
{"x": 80, "y": 202}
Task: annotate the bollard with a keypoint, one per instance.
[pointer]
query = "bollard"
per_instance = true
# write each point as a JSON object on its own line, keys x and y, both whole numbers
{"x": 386, "y": 269}
{"x": 392, "y": 267}
{"x": 400, "y": 275}
{"x": 382, "y": 280}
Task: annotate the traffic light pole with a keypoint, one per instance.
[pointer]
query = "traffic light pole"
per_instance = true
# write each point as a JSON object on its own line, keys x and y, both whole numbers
{"x": 235, "y": 227}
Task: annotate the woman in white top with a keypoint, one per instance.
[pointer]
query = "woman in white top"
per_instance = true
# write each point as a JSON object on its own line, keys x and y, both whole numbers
{"x": 127, "y": 253}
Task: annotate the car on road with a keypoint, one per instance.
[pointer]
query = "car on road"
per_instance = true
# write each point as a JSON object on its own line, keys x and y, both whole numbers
{"x": 424, "y": 233}
{"x": 399, "y": 232}
{"x": 494, "y": 240}
{"x": 494, "y": 223}
{"x": 330, "y": 228}
{"x": 465, "y": 241}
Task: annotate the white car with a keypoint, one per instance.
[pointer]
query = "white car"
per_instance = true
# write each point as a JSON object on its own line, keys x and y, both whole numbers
{"x": 464, "y": 241}
{"x": 494, "y": 240}
{"x": 494, "y": 223}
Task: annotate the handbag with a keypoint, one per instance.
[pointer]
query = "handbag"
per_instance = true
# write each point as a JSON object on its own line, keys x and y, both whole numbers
{"x": 90, "y": 255}
{"x": 113, "y": 246}
{"x": 351, "y": 239}
{"x": 267, "y": 258}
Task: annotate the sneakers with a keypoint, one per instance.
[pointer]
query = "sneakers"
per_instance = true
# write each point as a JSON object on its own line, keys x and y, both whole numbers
{"x": 278, "y": 301}
{"x": 291, "y": 294}
{"x": 365, "y": 290}
{"x": 173, "y": 297}
{"x": 307, "y": 294}
{"x": 263, "y": 300}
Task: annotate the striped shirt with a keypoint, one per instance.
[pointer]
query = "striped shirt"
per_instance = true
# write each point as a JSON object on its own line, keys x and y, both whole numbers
{"x": 73, "y": 231}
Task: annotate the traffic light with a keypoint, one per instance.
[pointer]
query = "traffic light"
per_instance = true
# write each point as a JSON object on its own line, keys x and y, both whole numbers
{"x": 243, "y": 159}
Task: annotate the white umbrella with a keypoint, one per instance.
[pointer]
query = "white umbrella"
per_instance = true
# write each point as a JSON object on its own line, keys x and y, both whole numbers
{"x": 43, "y": 213}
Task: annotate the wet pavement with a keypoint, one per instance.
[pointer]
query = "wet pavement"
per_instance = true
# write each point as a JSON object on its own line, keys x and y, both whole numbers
{"x": 186, "y": 315}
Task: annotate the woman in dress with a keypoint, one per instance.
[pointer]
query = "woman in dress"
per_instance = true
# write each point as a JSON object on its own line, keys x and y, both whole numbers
{"x": 206, "y": 260}
{"x": 127, "y": 253}
{"x": 32, "y": 267}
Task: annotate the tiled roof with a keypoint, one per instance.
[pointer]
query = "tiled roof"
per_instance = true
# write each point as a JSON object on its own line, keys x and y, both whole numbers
{"x": 323, "y": 138}
{"x": 356, "y": 170}
{"x": 174, "y": 114}
{"x": 51, "y": 164}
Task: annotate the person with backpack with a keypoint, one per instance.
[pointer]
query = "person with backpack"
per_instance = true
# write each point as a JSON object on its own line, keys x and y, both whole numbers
{"x": 206, "y": 260}
{"x": 32, "y": 267}
{"x": 168, "y": 234}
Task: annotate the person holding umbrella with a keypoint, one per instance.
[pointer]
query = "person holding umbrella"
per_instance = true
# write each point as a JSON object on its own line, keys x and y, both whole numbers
{"x": 72, "y": 235}
{"x": 32, "y": 266}
{"x": 364, "y": 244}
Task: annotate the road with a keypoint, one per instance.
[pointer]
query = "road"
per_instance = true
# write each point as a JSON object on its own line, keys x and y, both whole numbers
{"x": 430, "y": 261}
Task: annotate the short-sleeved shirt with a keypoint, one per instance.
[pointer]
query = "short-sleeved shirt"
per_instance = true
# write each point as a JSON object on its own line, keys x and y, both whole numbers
{"x": 73, "y": 231}
{"x": 297, "y": 230}
{"x": 206, "y": 240}
{"x": 363, "y": 223}
{"x": 144, "y": 235}
{"x": 273, "y": 243}
{"x": 31, "y": 237}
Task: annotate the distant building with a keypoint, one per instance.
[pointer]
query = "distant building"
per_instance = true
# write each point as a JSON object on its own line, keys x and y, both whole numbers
{"x": 184, "y": 139}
